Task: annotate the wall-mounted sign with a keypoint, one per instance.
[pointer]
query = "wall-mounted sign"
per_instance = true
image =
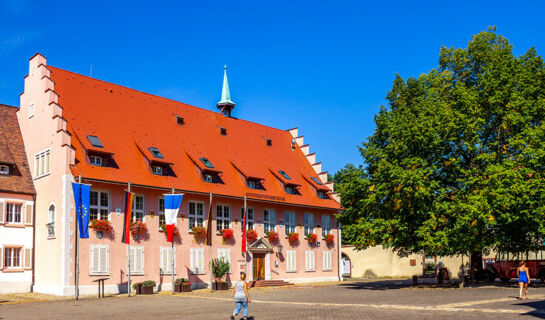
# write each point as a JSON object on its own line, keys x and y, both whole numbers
{"x": 152, "y": 214}
{"x": 118, "y": 211}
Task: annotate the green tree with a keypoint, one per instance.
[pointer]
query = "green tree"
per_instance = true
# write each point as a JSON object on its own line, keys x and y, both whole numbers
{"x": 456, "y": 163}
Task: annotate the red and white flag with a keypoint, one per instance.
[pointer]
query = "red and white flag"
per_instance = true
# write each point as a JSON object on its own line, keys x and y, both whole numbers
{"x": 172, "y": 206}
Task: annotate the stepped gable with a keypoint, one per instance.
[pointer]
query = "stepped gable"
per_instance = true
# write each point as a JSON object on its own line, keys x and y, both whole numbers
{"x": 128, "y": 122}
{"x": 12, "y": 153}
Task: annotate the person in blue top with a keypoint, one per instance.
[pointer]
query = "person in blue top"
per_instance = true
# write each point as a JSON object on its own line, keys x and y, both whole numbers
{"x": 524, "y": 279}
{"x": 241, "y": 297}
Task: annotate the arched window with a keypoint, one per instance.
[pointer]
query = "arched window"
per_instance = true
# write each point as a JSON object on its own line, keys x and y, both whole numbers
{"x": 51, "y": 222}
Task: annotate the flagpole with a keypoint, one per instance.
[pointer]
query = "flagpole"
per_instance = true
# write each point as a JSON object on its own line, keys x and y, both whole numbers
{"x": 210, "y": 243}
{"x": 129, "y": 255}
{"x": 172, "y": 254}
{"x": 76, "y": 264}
{"x": 245, "y": 219}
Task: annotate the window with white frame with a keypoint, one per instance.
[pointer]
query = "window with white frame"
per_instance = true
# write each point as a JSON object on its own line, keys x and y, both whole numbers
{"x": 99, "y": 262}
{"x": 41, "y": 163}
{"x": 166, "y": 260}
{"x": 289, "y": 221}
{"x": 269, "y": 220}
{"x": 196, "y": 260}
{"x": 291, "y": 261}
{"x": 162, "y": 219}
{"x": 96, "y": 161}
{"x": 31, "y": 110}
{"x": 249, "y": 218}
{"x": 223, "y": 217}
{"x": 327, "y": 260}
{"x": 326, "y": 225}
{"x": 4, "y": 169}
{"x": 196, "y": 214}
{"x": 51, "y": 222}
{"x": 226, "y": 255}
{"x": 136, "y": 259}
{"x": 13, "y": 213}
{"x": 309, "y": 223}
{"x": 99, "y": 205}
{"x": 310, "y": 263}
{"x": 157, "y": 170}
{"x": 12, "y": 258}
{"x": 138, "y": 208}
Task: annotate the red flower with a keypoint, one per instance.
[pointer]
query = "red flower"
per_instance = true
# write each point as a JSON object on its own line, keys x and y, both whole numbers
{"x": 251, "y": 235}
{"x": 101, "y": 225}
{"x": 273, "y": 236}
{"x": 312, "y": 238}
{"x": 227, "y": 234}
{"x": 329, "y": 239}
{"x": 138, "y": 227}
{"x": 293, "y": 237}
{"x": 199, "y": 232}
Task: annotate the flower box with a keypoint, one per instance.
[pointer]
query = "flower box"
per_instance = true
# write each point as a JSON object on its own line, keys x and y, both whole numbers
{"x": 272, "y": 236}
{"x": 199, "y": 233}
{"x": 312, "y": 239}
{"x": 293, "y": 238}
{"x": 182, "y": 285}
{"x": 227, "y": 234}
{"x": 220, "y": 285}
{"x": 147, "y": 290}
{"x": 145, "y": 287}
{"x": 251, "y": 236}
{"x": 138, "y": 228}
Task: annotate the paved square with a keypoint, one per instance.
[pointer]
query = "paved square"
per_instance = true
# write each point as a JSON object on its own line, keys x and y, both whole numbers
{"x": 348, "y": 300}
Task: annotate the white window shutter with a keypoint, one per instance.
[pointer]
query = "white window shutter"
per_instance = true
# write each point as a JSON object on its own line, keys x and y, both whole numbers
{"x": 2, "y": 210}
{"x": 313, "y": 260}
{"x": 28, "y": 214}
{"x": 95, "y": 259}
{"x": 104, "y": 259}
{"x": 306, "y": 260}
{"x": 229, "y": 259}
{"x": 162, "y": 259}
{"x": 192, "y": 260}
{"x": 201, "y": 261}
{"x": 28, "y": 258}
{"x": 131, "y": 259}
{"x": 141, "y": 260}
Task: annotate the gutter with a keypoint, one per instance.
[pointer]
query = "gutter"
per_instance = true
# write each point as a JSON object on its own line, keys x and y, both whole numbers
{"x": 34, "y": 196}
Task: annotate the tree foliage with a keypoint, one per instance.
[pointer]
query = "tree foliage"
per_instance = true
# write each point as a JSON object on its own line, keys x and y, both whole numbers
{"x": 456, "y": 163}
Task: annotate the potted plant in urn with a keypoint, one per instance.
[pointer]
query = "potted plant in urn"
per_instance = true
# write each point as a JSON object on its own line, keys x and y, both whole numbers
{"x": 312, "y": 239}
{"x": 182, "y": 285}
{"x": 101, "y": 226}
{"x": 147, "y": 287}
{"x": 138, "y": 228}
{"x": 293, "y": 238}
{"x": 251, "y": 236}
{"x": 219, "y": 267}
{"x": 272, "y": 236}
{"x": 199, "y": 233}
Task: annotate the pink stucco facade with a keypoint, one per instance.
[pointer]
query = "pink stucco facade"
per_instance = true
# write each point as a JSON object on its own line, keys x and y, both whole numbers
{"x": 46, "y": 130}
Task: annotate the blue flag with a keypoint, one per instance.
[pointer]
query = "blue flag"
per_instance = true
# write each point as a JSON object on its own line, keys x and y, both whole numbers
{"x": 82, "y": 194}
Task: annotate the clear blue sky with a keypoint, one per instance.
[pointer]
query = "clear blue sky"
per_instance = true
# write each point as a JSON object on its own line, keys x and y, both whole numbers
{"x": 324, "y": 67}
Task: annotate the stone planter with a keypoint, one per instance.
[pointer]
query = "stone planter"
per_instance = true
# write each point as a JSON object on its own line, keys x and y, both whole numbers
{"x": 146, "y": 290}
{"x": 182, "y": 287}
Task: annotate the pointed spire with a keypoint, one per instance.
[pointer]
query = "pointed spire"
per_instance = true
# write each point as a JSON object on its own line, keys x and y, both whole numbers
{"x": 225, "y": 104}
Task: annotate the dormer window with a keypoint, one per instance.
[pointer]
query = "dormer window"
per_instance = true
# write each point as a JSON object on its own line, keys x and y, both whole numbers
{"x": 156, "y": 153}
{"x": 208, "y": 178}
{"x": 322, "y": 195}
{"x": 207, "y": 163}
{"x": 95, "y": 141}
{"x": 180, "y": 121}
{"x": 96, "y": 161}
{"x": 284, "y": 174}
{"x": 269, "y": 142}
{"x": 4, "y": 169}
{"x": 291, "y": 190}
{"x": 316, "y": 180}
{"x": 157, "y": 170}
{"x": 223, "y": 131}
{"x": 252, "y": 184}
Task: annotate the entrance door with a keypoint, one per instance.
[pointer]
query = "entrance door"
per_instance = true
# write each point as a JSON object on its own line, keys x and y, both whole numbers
{"x": 346, "y": 267}
{"x": 259, "y": 266}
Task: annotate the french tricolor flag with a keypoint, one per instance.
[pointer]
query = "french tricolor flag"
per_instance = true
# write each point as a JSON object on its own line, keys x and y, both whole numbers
{"x": 172, "y": 205}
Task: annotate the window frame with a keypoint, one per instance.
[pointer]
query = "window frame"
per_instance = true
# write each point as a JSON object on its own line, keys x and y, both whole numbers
{"x": 327, "y": 258}
{"x": 93, "y": 161}
{"x": 31, "y": 109}
{"x": 290, "y": 225}
{"x": 134, "y": 211}
{"x": 326, "y": 227}
{"x": 310, "y": 267}
{"x": 307, "y": 224}
{"x": 157, "y": 170}
{"x": 195, "y": 215}
{"x": 7, "y": 170}
{"x": 223, "y": 219}
{"x": 99, "y": 246}
{"x": 170, "y": 252}
{"x": 99, "y": 206}
{"x": 193, "y": 268}
{"x": 51, "y": 220}
{"x": 13, "y": 249}
{"x": 132, "y": 254}
{"x": 248, "y": 220}
{"x": 267, "y": 222}
{"x": 39, "y": 163}
{"x": 9, "y": 214}
{"x": 293, "y": 255}
{"x": 161, "y": 213}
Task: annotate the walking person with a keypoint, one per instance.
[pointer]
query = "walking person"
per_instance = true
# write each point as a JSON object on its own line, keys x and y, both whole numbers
{"x": 241, "y": 297}
{"x": 524, "y": 279}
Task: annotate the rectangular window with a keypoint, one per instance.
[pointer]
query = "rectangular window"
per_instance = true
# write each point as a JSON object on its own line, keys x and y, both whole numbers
{"x": 99, "y": 205}
{"x": 291, "y": 261}
{"x": 96, "y": 161}
{"x": 196, "y": 260}
{"x": 326, "y": 225}
{"x": 95, "y": 141}
{"x": 309, "y": 223}
{"x": 327, "y": 261}
{"x": 269, "y": 220}
{"x": 4, "y": 169}
{"x": 138, "y": 208}
{"x": 12, "y": 258}
{"x": 223, "y": 217}
{"x": 41, "y": 163}
{"x": 166, "y": 260}
{"x": 196, "y": 214}
{"x": 31, "y": 110}
{"x": 137, "y": 260}
{"x": 157, "y": 170}
{"x": 161, "y": 211}
{"x": 249, "y": 218}
{"x": 226, "y": 255}
{"x": 13, "y": 213}
{"x": 289, "y": 221}
{"x": 99, "y": 262}
{"x": 309, "y": 260}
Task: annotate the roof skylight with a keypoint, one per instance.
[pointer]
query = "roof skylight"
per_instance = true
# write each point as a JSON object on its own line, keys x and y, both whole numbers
{"x": 95, "y": 142}
{"x": 318, "y": 182}
{"x": 156, "y": 153}
{"x": 207, "y": 163}
{"x": 284, "y": 174}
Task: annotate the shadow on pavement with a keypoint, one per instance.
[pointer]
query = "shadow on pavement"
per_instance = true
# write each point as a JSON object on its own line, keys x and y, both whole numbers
{"x": 427, "y": 283}
{"x": 538, "y": 305}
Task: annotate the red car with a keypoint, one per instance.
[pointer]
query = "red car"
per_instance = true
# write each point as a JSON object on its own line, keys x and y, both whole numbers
{"x": 506, "y": 268}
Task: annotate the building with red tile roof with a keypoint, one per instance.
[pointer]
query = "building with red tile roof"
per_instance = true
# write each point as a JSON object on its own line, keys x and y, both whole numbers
{"x": 111, "y": 136}
{"x": 16, "y": 207}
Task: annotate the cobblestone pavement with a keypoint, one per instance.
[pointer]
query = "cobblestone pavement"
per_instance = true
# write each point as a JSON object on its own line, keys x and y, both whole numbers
{"x": 349, "y": 300}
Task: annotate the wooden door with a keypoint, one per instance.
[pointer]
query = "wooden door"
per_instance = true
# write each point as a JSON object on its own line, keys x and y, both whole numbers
{"x": 259, "y": 266}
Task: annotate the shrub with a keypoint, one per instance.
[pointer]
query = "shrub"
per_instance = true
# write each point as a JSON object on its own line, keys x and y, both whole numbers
{"x": 148, "y": 283}
{"x": 219, "y": 267}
